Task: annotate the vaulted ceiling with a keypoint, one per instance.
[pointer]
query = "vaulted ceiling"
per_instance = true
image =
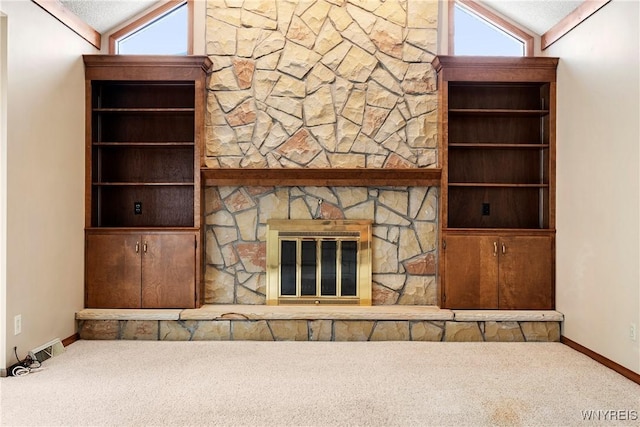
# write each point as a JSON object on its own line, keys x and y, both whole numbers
{"x": 537, "y": 16}
{"x": 105, "y": 15}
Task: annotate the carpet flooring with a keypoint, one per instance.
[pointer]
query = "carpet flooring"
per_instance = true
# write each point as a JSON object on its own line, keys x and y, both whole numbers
{"x": 243, "y": 383}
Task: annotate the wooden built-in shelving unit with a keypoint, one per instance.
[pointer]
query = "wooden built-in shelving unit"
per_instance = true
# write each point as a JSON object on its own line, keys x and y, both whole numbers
{"x": 144, "y": 116}
{"x": 497, "y": 142}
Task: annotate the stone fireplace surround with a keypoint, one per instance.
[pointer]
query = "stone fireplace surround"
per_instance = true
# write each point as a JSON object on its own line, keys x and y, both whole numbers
{"x": 403, "y": 245}
{"x": 321, "y": 85}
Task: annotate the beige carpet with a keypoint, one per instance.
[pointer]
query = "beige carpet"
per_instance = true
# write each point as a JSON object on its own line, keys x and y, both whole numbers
{"x": 137, "y": 383}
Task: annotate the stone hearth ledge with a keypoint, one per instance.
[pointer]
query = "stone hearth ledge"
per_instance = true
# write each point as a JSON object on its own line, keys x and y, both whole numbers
{"x": 128, "y": 314}
{"x": 284, "y": 312}
{"x": 267, "y": 312}
{"x": 508, "y": 316}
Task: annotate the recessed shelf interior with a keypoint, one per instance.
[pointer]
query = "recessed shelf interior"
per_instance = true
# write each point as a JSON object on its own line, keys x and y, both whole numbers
{"x": 498, "y": 155}
{"x": 509, "y": 165}
{"x": 518, "y": 207}
{"x": 162, "y": 206}
{"x": 144, "y": 94}
{"x": 163, "y": 126}
{"x": 144, "y": 164}
{"x": 498, "y": 96}
{"x": 143, "y": 148}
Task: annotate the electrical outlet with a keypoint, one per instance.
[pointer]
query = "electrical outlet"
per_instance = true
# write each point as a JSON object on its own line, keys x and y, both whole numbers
{"x": 633, "y": 332}
{"x": 137, "y": 208}
{"x": 17, "y": 324}
{"x": 486, "y": 209}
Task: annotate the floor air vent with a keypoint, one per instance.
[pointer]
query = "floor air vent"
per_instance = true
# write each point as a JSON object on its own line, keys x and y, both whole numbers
{"x": 47, "y": 351}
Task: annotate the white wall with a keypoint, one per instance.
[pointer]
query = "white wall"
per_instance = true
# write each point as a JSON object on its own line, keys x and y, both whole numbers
{"x": 598, "y": 214}
{"x": 3, "y": 187}
{"x": 45, "y": 205}
{"x": 199, "y": 26}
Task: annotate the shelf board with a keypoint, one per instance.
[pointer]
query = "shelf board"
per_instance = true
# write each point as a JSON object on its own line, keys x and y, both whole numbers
{"x": 502, "y": 85}
{"x": 143, "y": 184}
{"x": 322, "y": 177}
{"x": 496, "y": 145}
{"x": 145, "y": 144}
{"x": 149, "y": 83}
{"x": 497, "y": 230}
{"x": 144, "y": 110}
{"x": 496, "y": 112}
{"x": 495, "y": 185}
{"x": 141, "y": 229}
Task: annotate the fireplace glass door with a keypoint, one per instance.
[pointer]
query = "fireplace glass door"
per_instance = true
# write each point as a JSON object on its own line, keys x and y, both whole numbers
{"x": 318, "y": 268}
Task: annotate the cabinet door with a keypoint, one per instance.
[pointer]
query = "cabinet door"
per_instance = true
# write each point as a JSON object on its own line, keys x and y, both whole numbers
{"x": 471, "y": 272}
{"x": 112, "y": 271}
{"x": 526, "y": 273}
{"x": 168, "y": 270}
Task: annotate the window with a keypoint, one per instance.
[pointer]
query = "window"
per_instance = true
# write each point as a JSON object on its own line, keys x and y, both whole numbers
{"x": 163, "y": 31}
{"x": 475, "y": 30}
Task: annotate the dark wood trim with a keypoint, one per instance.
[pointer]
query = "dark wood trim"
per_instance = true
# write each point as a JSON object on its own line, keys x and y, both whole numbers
{"x": 70, "y": 340}
{"x": 569, "y": 22}
{"x": 322, "y": 177}
{"x": 500, "y": 69}
{"x": 71, "y": 20}
{"x": 155, "y": 61}
{"x": 152, "y": 15}
{"x": 625, "y": 372}
{"x": 501, "y": 231}
{"x": 145, "y": 67}
{"x": 503, "y": 24}
{"x": 552, "y": 153}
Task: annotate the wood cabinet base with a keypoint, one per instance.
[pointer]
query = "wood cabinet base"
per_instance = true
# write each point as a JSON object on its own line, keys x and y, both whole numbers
{"x": 141, "y": 270}
{"x": 499, "y": 271}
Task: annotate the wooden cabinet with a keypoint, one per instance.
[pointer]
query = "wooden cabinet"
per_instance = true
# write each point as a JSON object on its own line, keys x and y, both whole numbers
{"x": 112, "y": 270}
{"x": 145, "y": 124}
{"x": 130, "y": 270}
{"x": 497, "y": 130}
{"x": 509, "y": 271}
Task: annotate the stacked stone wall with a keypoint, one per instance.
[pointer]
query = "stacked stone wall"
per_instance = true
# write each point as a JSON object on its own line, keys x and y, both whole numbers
{"x": 319, "y": 330}
{"x": 321, "y": 84}
{"x": 403, "y": 246}
{"x": 325, "y": 83}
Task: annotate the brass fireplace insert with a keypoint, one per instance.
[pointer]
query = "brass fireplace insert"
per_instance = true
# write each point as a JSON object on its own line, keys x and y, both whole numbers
{"x": 319, "y": 262}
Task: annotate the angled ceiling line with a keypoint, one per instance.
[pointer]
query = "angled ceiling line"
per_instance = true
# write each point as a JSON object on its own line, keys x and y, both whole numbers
{"x": 572, "y": 20}
{"x": 71, "y": 21}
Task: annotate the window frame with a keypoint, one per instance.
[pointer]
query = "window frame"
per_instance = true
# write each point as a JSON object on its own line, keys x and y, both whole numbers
{"x": 493, "y": 19}
{"x": 151, "y": 16}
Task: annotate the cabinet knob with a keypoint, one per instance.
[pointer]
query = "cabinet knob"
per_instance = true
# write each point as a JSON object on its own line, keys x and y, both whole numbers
{"x": 144, "y": 247}
{"x": 504, "y": 249}
{"x": 495, "y": 248}
{"x": 137, "y": 247}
